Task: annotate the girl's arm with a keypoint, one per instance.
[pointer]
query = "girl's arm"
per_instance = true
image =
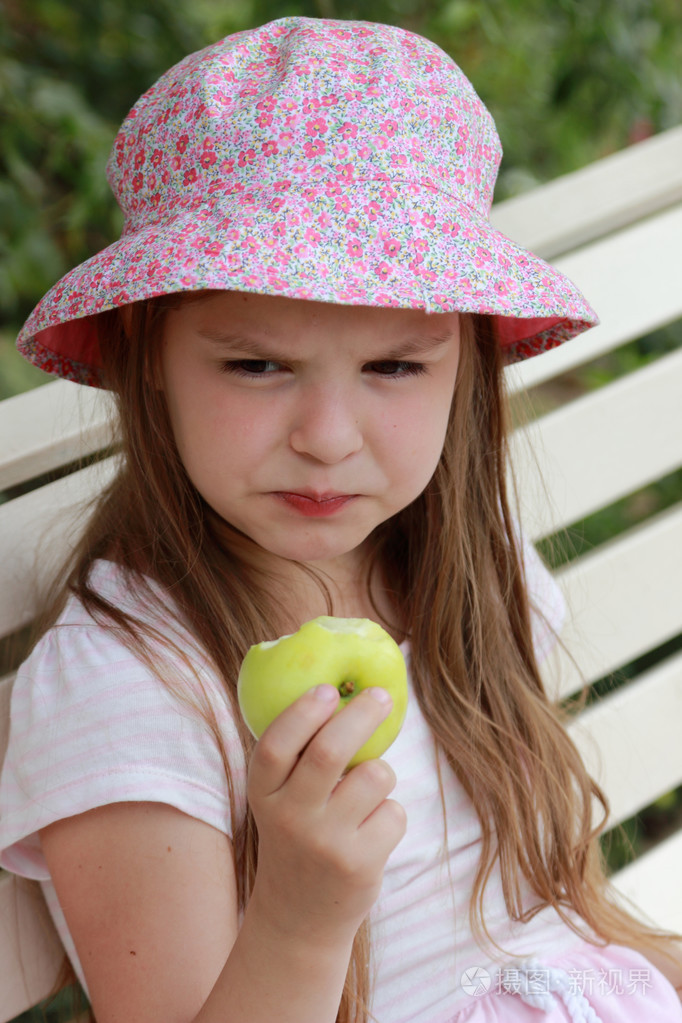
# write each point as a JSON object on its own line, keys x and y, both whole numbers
{"x": 149, "y": 893}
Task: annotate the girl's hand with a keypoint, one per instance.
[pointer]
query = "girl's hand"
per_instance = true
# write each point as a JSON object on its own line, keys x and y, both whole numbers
{"x": 323, "y": 839}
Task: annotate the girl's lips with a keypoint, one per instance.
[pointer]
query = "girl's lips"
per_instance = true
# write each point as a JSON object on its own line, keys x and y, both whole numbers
{"x": 318, "y": 506}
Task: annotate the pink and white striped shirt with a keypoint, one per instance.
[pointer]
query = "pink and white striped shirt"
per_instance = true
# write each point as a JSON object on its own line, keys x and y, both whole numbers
{"x": 91, "y": 725}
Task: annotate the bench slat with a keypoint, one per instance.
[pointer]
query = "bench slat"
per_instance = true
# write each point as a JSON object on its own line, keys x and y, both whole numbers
{"x": 49, "y": 427}
{"x": 35, "y": 533}
{"x": 624, "y": 599}
{"x": 632, "y": 279}
{"x": 630, "y": 740}
{"x": 653, "y": 883}
{"x": 597, "y": 199}
{"x": 31, "y": 953}
{"x": 600, "y": 447}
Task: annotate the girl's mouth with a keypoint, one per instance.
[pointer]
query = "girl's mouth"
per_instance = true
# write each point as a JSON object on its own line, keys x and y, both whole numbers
{"x": 318, "y": 506}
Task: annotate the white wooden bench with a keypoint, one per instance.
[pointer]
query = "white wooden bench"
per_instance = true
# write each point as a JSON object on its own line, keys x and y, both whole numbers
{"x": 616, "y": 229}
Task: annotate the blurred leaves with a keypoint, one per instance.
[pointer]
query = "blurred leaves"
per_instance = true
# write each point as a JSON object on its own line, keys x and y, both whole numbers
{"x": 54, "y": 203}
{"x": 68, "y": 75}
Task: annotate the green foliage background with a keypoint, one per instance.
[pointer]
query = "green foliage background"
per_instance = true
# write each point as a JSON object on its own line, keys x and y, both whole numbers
{"x": 567, "y": 81}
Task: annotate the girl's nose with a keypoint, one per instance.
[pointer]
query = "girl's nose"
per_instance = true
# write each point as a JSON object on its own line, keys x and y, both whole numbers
{"x": 326, "y": 425}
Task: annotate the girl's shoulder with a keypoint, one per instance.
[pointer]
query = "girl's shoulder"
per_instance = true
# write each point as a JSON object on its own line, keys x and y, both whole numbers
{"x": 85, "y": 634}
{"x": 127, "y": 591}
{"x": 87, "y": 655}
{"x": 93, "y": 722}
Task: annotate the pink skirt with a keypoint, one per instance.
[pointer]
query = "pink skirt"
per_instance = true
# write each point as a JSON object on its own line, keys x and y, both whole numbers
{"x": 586, "y": 984}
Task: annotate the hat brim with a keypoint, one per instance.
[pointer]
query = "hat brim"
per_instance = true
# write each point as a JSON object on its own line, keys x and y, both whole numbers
{"x": 371, "y": 243}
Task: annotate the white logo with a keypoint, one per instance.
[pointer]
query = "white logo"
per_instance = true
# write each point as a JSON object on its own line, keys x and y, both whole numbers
{"x": 476, "y": 981}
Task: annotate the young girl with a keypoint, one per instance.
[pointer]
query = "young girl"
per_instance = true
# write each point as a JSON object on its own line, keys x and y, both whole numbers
{"x": 304, "y": 325}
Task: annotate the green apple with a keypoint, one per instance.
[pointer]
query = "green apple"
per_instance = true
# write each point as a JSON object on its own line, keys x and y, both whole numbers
{"x": 349, "y": 653}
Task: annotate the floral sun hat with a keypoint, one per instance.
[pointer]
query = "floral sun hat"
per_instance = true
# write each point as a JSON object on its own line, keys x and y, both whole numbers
{"x": 335, "y": 161}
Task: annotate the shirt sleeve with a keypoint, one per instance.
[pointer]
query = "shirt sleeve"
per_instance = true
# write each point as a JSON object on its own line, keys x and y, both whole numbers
{"x": 91, "y": 725}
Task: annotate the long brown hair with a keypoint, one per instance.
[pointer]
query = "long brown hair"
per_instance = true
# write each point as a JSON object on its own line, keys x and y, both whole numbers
{"x": 451, "y": 564}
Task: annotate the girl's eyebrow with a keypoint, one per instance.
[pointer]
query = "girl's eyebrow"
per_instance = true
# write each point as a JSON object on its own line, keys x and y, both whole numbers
{"x": 222, "y": 339}
{"x": 419, "y": 344}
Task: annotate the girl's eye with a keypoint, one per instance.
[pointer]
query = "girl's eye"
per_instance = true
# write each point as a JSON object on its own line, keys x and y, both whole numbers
{"x": 390, "y": 368}
{"x": 251, "y": 367}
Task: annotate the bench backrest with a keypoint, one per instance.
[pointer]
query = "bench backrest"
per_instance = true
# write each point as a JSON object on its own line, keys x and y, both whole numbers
{"x": 616, "y": 229}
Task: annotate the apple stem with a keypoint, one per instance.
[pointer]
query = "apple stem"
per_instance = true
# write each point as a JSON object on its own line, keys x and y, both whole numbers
{"x": 347, "y": 687}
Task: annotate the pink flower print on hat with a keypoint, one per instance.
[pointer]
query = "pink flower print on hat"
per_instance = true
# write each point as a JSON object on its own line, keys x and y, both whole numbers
{"x": 355, "y": 158}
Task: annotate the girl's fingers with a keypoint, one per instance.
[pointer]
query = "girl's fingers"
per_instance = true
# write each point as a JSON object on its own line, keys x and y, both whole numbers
{"x": 309, "y": 747}
{"x": 280, "y": 746}
{"x": 362, "y": 790}
{"x": 384, "y": 828}
{"x": 327, "y": 755}
{"x": 360, "y": 800}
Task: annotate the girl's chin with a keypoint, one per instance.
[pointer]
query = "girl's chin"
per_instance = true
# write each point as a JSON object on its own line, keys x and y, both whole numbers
{"x": 313, "y": 555}
{"x": 314, "y": 550}
{"x": 307, "y": 542}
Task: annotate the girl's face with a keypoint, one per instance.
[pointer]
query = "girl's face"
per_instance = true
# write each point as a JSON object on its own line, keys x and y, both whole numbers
{"x": 304, "y": 424}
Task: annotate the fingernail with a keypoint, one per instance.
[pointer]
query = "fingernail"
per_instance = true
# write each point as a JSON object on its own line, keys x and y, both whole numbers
{"x": 380, "y": 695}
{"x": 324, "y": 692}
